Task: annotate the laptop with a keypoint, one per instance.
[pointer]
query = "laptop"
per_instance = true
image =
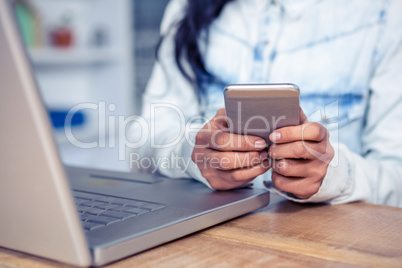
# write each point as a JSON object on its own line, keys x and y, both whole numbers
{"x": 82, "y": 216}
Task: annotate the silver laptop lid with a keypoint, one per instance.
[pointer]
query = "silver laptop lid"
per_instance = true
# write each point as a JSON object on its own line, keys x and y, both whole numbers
{"x": 37, "y": 213}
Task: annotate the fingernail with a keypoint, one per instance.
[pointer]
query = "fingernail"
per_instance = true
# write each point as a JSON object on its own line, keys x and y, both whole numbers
{"x": 263, "y": 155}
{"x": 275, "y": 136}
{"x": 260, "y": 144}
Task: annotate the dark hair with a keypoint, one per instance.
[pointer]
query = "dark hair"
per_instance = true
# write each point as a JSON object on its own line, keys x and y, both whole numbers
{"x": 198, "y": 16}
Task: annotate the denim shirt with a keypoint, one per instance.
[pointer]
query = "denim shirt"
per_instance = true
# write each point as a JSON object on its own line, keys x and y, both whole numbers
{"x": 346, "y": 58}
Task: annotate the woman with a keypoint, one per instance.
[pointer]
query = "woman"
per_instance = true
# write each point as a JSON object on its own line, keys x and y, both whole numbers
{"x": 344, "y": 55}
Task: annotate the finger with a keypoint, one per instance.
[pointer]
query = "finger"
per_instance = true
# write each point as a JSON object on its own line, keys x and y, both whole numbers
{"x": 221, "y": 112}
{"x": 244, "y": 174}
{"x": 220, "y": 118}
{"x": 291, "y": 167}
{"x": 231, "y": 160}
{"x": 300, "y": 187}
{"x": 298, "y": 150}
{"x": 309, "y": 131}
{"x": 219, "y": 181}
{"x": 226, "y": 141}
{"x": 221, "y": 140}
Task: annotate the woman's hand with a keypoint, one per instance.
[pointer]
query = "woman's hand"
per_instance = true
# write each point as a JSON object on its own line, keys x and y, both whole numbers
{"x": 300, "y": 157}
{"x": 225, "y": 159}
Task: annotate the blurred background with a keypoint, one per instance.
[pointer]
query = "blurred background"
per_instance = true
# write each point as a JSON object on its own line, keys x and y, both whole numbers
{"x": 98, "y": 52}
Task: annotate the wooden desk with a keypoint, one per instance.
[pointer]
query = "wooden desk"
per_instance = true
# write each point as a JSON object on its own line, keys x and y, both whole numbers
{"x": 282, "y": 234}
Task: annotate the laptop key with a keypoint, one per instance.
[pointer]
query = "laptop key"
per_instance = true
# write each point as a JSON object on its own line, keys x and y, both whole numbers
{"x": 95, "y": 203}
{"x": 95, "y": 211}
{"x": 111, "y": 199}
{"x": 81, "y": 201}
{"x": 118, "y": 214}
{"x": 87, "y": 217}
{"x": 153, "y": 207}
{"x": 135, "y": 203}
{"x": 105, "y": 219}
{"x": 108, "y": 206}
{"x": 137, "y": 211}
{"x": 84, "y": 208}
{"x": 92, "y": 225}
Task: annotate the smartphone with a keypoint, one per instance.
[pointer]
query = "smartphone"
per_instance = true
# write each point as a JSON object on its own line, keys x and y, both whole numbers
{"x": 259, "y": 109}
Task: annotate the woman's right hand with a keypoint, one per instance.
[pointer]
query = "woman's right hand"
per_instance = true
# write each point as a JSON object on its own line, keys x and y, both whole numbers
{"x": 225, "y": 159}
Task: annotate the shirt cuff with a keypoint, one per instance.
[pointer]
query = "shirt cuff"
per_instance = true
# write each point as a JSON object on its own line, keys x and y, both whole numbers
{"x": 192, "y": 170}
{"x": 335, "y": 182}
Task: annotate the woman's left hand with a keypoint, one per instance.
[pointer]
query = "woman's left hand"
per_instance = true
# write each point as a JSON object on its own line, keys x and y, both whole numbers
{"x": 300, "y": 157}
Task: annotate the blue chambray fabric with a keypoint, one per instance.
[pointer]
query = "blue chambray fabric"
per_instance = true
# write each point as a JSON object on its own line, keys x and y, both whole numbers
{"x": 329, "y": 55}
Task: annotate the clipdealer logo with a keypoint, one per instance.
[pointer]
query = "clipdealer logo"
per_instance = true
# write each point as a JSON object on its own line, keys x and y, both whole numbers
{"x": 140, "y": 132}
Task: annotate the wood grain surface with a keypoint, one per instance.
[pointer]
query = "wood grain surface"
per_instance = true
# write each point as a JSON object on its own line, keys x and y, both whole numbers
{"x": 284, "y": 234}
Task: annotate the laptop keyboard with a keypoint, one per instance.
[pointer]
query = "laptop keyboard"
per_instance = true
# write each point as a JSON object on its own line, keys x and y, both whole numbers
{"x": 97, "y": 211}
